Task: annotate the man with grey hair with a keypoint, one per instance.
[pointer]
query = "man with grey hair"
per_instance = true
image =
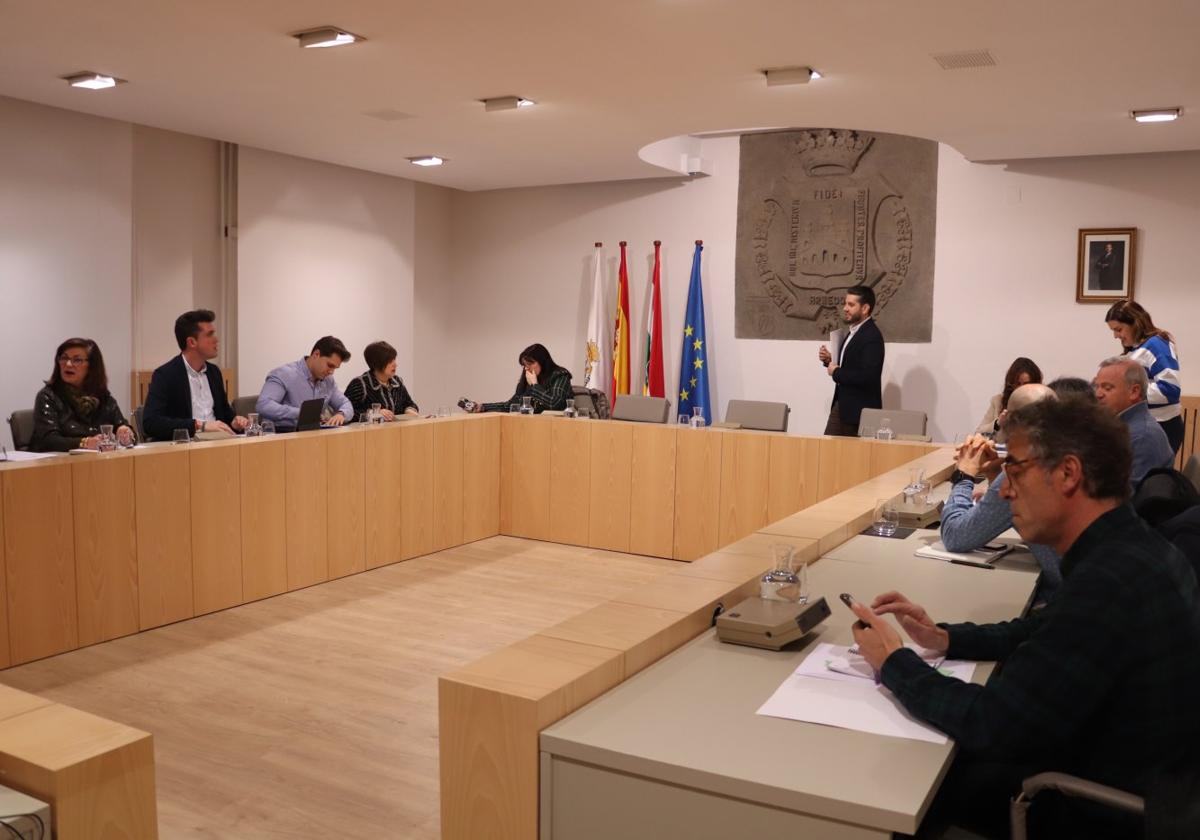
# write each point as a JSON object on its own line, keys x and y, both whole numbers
{"x": 1120, "y": 387}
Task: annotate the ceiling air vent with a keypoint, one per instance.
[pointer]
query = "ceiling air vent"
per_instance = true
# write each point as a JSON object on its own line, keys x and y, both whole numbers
{"x": 965, "y": 60}
{"x": 388, "y": 115}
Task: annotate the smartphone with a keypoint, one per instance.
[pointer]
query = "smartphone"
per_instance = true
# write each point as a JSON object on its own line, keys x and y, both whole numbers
{"x": 466, "y": 405}
{"x": 848, "y": 600}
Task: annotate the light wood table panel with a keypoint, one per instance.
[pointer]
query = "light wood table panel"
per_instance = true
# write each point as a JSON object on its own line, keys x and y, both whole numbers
{"x": 530, "y": 492}
{"x": 449, "y": 458}
{"x": 416, "y": 488}
{"x": 570, "y": 480}
{"x": 347, "y": 538}
{"x": 105, "y": 547}
{"x": 383, "y": 489}
{"x": 306, "y": 502}
{"x": 697, "y": 492}
{"x": 162, "y": 489}
{"x": 652, "y": 490}
{"x": 745, "y": 481}
{"x": 844, "y": 462}
{"x": 264, "y": 528}
{"x": 216, "y": 527}
{"x": 642, "y": 634}
{"x": 793, "y": 468}
{"x": 508, "y": 429}
{"x": 481, "y": 478}
{"x": 610, "y": 486}
{"x": 39, "y": 557}
{"x": 5, "y": 661}
{"x": 887, "y": 455}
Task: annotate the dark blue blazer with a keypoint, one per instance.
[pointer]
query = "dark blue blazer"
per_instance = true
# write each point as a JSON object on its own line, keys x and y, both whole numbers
{"x": 860, "y": 374}
{"x": 169, "y": 402}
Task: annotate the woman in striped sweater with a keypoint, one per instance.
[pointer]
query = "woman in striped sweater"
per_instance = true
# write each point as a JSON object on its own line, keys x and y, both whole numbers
{"x": 1153, "y": 349}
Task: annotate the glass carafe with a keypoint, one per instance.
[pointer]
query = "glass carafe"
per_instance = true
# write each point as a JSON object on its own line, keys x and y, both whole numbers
{"x": 884, "y": 432}
{"x": 786, "y": 581}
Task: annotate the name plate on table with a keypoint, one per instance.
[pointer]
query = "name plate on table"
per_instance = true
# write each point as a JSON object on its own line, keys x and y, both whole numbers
{"x": 915, "y": 515}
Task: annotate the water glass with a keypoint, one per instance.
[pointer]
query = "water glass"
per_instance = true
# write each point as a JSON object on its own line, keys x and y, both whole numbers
{"x": 180, "y": 436}
{"x": 267, "y": 427}
{"x": 697, "y": 418}
{"x": 253, "y": 428}
{"x": 443, "y": 411}
{"x": 108, "y": 439}
{"x": 375, "y": 415}
{"x": 684, "y": 420}
{"x": 527, "y": 405}
{"x": 887, "y": 518}
{"x": 513, "y": 408}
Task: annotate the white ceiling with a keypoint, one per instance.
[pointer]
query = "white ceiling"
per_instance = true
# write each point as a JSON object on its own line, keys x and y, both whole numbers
{"x": 612, "y": 77}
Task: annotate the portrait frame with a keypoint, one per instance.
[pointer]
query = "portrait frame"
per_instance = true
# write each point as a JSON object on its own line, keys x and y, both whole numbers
{"x": 1105, "y": 264}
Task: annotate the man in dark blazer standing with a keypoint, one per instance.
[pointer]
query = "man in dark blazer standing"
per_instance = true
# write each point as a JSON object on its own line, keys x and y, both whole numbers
{"x": 859, "y": 371}
{"x": 188, "y": 391}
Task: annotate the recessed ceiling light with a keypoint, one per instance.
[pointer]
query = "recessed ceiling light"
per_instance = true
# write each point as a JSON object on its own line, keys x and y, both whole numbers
{"x": 790, "y": 75}
{"x": 92, "y": 81}
{"x": 1158, "y": 115}
{"x": 507, "y": 103}
{"x": 328, "y": 36}
{"x": 427, "y": 160}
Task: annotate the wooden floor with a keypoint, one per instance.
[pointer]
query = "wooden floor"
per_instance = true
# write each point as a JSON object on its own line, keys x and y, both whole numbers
{"x": 314, "y": 714}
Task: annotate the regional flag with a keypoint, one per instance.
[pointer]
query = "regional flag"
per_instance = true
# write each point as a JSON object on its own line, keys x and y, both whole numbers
{"x": 598, "y": 353}
{"x": 653, "y": 383}
{"x": 620, "y": 376}
{"x": 693, "y": 371}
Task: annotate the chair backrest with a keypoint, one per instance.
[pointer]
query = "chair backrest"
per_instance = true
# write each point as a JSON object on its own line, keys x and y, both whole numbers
{"x": 137, "y": 423}
{"x": 590, "y": 402}
{"x": 1192, "y": 469}
{"x": 641, "y": 409}
{"x": 902, "y": 422}
{"x": 20, "y": 423}
{"x": 754, "y": 414}
{"x": 245, "y": 405}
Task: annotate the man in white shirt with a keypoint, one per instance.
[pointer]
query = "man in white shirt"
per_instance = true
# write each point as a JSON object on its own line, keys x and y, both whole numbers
{"x": 859, "y": 369}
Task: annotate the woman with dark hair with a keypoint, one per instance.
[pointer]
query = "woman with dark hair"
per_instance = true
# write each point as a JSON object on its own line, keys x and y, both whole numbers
{"x": 1021, "y": 372}
{"x": 546, "y": 383}
{"x": 380, "y": 385}
{"x": 69, "y": 411}
{"x": 1153, "y": 349}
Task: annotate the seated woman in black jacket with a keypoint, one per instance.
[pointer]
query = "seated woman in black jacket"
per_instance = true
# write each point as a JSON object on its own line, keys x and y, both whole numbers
{"x": 69, "y": 411}
{"x": 380, "y": 384}
{"x": 547, "y": 384}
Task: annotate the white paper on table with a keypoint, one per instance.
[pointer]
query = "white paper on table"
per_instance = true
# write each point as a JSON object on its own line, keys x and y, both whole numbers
{"x": 31, "y": 456}
{"x": 849, "y": 702}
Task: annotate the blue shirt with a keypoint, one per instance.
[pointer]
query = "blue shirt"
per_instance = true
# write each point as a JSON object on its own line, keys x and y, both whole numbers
{"x": 967, "y": 526}
{"x": 290, "y": 385}
{"x": 1150, "y": 446}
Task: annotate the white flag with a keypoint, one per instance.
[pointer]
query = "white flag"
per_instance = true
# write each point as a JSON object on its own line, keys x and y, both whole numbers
{"x": 598, "y": 361}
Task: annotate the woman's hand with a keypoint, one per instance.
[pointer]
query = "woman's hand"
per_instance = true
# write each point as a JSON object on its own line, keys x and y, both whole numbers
{"x": 124, "y": 435}
{"x": 388, "y": 415}
{"x": 530, "y": 378}
{"x": 92, "y": 442}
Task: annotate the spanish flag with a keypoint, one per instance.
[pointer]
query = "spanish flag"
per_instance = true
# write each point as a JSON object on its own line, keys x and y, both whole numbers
{"x": 620, "y": 377}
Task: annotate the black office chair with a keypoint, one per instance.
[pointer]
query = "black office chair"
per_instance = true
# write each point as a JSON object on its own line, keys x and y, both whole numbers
{"x": 20, "y": 423}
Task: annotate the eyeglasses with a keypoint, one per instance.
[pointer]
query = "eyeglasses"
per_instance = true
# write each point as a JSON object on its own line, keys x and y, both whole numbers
{"x": 1013, "y": 467}
{"x": 72, "y": 360}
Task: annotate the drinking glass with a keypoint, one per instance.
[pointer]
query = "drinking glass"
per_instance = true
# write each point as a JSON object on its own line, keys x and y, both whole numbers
{"x": 684, "y": 420}
{"x": 513, "y": 408}
{"x": 253, "y": 428}
{"x": 375, "y": 415}
{"x": 108, "y": 439}
{"x": 180, "y": 436}
{"x": 443, "y": 411}
{"x": 268, "y": 427}
{"x": 887, "y": 518}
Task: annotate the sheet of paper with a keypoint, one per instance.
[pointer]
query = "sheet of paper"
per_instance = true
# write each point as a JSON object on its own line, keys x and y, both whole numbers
{"x": 835, "y": 344}
{"x": 815, "y": 694}
{"x": 30, "y": 456}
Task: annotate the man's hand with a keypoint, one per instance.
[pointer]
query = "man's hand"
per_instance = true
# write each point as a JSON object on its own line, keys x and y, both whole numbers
{"x": 823, "y": 355}
{"x": 336, "y": 420}
{"x": 915, "y": 621}
{"x": 829, "y": 369}
{"x": 974, "y": 453}
{"x": 876, "y": 639}
{"x": 215, "y": 426}
{"x": 240, "y": 423}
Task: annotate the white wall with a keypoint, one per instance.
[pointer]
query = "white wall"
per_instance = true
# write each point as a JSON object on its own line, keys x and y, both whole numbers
{"x": 1005, "y": 278}
{"x": 322, "y": 250}
{"x": 65, "y": 234}
{"x": 433, "y": 383}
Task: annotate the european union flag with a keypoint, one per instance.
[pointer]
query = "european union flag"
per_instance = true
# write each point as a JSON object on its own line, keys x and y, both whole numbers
{"x": 693, "y": 371}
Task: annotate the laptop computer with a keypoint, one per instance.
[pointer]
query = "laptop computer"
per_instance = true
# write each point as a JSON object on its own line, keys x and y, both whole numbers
{"x": 310, "y": 415}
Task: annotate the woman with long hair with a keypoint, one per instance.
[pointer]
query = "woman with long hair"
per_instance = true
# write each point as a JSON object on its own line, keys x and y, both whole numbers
{"x": 76, "y": 402}
{"x": 1154, "y": 349}
{"x": 1022, "y": 371}
{"x": 545, "y": 382}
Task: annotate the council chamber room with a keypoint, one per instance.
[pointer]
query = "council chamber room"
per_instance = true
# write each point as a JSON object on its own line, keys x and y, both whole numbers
{"x": 675, "y": 420}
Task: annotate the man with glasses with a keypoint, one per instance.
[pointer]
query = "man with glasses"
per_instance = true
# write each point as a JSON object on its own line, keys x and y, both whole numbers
{"x": 1103, "y": 683}
{"x": 1121, "y": 386}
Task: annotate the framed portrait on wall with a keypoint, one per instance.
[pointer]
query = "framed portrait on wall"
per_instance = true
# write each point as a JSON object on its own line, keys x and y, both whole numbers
{"x": 1106, "y": 265}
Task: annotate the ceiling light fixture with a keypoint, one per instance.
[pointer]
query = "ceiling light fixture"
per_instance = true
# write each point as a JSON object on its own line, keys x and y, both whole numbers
{"x": 92, "y": 81}
{"x": 790, "y": 75}
{"x": 328, "y": 36}
{"x": 1157, "y": 115}
{"x": 507, "y": 103}
{"x": 427, "y": 160}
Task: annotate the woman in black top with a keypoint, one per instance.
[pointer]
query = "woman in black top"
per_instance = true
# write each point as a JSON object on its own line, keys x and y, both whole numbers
{"x": 380, "y": 385}
{"x": 547, "y": 384}
{"x": 69, "y": 411}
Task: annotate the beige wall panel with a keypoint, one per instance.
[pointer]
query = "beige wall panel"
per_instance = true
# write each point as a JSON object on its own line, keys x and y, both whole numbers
{"x": 105, "y": 547}
{"x": 5, "y": 661}
{"x": 610, "y": 486}
{"x": 794, "y": 466}
{"x": 347, "y": 537}
{"x": 216, "y": 527}
{"x": 745, "y": 482}
{"x": 481, "y": 478}
{"x": 531, "y": 477}
{"x": 697, "y": 492}
{"x": 306, "y": 503}
{"x": 416, "y": 489}
{"x": 652, "y": 490}
{"x": 508, "y": 426}
{"x": 448, "y": 483}
{"x": 264, "y": 528}
{"x": 39, "y": 556}
{"x": 383, "y": 489}
{"x": 570, "y": 480}
{"x": 162, "y": 488}
{"x": 844, "y": 463}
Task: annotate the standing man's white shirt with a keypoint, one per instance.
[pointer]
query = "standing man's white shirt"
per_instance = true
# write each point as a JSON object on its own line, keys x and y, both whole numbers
{"x": 846, "y": 343}
{"x": 202, "y": 398}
